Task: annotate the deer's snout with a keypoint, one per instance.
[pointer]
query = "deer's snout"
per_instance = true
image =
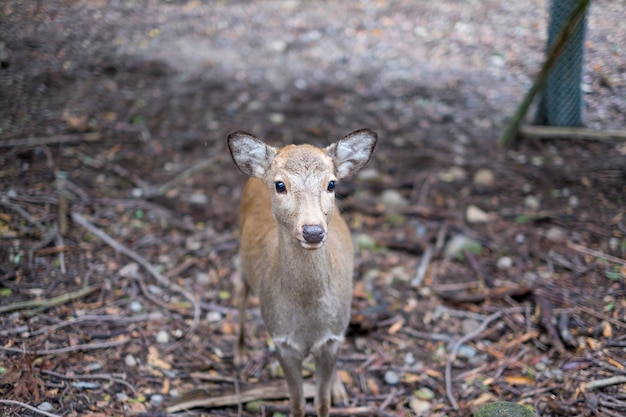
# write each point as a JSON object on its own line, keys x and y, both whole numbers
{"x": 313, "y": 233}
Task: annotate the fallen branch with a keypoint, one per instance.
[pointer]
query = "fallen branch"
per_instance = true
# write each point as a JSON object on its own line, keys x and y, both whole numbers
{"x": 78, "y": 218}
{"x": 45, "y": 303}
{"x": 595, "y": 253}
{"x": 454, "y": 350}
{"x": 559, "y": 132}
{"x": 601, "y": 383}
{"x": 266, "y": 391}
{"x": 29, "y": 407}
{"x": 68, "y": 349}
{"x": 199, "y": 166}
{"x": 51, "y": 140}
{"x": 106, "y": 377}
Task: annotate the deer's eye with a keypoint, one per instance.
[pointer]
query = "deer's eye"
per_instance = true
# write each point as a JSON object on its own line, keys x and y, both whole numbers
{"x": 280, "y": 187}
{"x": 331, "y": 186}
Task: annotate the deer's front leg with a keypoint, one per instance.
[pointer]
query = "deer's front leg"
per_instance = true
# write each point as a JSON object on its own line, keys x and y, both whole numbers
{"x": 291, "y": 362}
{"x": 325, "y": 362}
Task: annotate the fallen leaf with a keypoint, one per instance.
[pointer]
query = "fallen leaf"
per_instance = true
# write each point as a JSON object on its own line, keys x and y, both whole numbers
{"x": 519, "y": 380}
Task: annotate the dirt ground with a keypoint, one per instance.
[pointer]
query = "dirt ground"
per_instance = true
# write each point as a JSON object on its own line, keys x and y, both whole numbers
{"x": 483, "y": 273}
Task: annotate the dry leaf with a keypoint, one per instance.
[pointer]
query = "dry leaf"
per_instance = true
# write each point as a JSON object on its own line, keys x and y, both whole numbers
{"x": 155, "y": 360}
{"x": 615, "y": 363}
{"x": 395, "y": 328}
{"x": 519, "y": 380}
{"x": 607, "y": 330}
{"x": 372, "y": 385}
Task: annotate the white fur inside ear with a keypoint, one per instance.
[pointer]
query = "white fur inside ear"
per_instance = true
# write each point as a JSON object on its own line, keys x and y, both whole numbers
{"x": 251, "y": 155}
{"x": 352, "y": 152}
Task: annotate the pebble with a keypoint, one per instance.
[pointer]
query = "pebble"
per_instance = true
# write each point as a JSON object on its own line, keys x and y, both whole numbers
{"x": 484, "y": 178}
{"x": 475, "y": 214}
{"x": 409, "y": 358}
{"x": 156, "y": 399}
{"x": 129, "y": 270}
{"x": 277, "y": 118}
{"x": 366, "y": 242}
{"x": 532, "y": 202}
{"x": 213, "y": 316}
{"x": 458, "y": 244}
{"x": 466, "y": 352}
{"x": 391, "y": 378}
{"x": 504, "y": 263}
{"x": 198, "y": 198}
{"x": 130, "y": 360}
{"x": 162, "y": 337}
{"x": 573, "y": 201}
{"x": 136, "y": 306}
{"x": 556, "y": 234}
{"x": 45, "y": 406}
{"x": 393, "y": 199}
{"x": 420, "y": 407}
{"x": 203, "y": 278}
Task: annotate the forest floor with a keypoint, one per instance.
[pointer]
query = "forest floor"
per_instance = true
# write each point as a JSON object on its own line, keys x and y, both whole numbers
{"x": 483, "y": 273}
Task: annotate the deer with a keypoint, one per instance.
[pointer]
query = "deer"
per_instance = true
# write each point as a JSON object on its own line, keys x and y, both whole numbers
{"x": 296, "y": 254}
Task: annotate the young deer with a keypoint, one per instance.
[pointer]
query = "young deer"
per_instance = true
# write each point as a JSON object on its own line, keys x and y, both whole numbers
{"x": 296, "y": 252}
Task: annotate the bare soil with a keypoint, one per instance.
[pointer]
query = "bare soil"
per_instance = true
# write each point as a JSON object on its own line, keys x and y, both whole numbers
{"x": 118, "y": 205}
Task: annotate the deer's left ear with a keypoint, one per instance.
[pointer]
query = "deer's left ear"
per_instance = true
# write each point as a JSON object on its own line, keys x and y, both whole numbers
{"x": 352, "y": 152}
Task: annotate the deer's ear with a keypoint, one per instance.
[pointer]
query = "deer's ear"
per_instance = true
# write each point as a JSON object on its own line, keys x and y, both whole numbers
{"x": 352, "y": 152}
{"x": 251, "y": 155}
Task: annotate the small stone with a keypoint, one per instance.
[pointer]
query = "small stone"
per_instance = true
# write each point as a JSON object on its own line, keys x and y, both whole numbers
{"x": 135, "y": 306}
{"x": 476, "y": 215}
{"x": 409, "y": 358}
{"x": 458, "y": 244}
{"x": 573, "y": 201}
{"x": 130, "y": 361}
{"x": 556, "y": 234}
{"x": 365, "y": 242}
{"x": 121, "y": 397}
{"x": 162, "y": 337}
{"x": 424, "y": 393}
{"x": 420, "y": 407}
{"x": 532, "y": 202}
{"x": 484, "y": 178}
{"x": 392, "y": 378}
{"x": 198, "y": 198}
{"x": 453, "y": 174}
{"x": 156, "y": 399}
{"x": 213, "y": 316}
{"x": 277, "y": 118}
{"x": 137, "y": 192}
{"x": 393, "y": 199}
{"x": 504, "y": 263}
{"x": 466, "y": 352}
{"x": 203, "y": 278}
{"x": 368, "y": 174}
{"x": 45, "y": 406}
{"x": 129, "y": 270}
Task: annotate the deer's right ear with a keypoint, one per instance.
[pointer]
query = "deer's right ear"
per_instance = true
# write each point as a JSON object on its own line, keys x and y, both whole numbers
{"x": 251, "y": 155}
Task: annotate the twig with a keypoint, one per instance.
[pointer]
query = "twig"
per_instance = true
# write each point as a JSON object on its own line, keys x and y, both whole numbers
{"x": 595, "y": 253}
{"x": 162, "y": 189}
{"x": 58, "y": 300}
{"x": 19, "y": 210}
{"x": 553, "y": 55}
{"x": 78, "y": 218}
{"x": 389, "y": 399}
{"x": 560, "y": 132}
{"x": 106, "y": 377}
{"x": 601, "y": 383}
{"x": 454, "y": 350}
{"x": 40, "y": 141}
{"x": 422, "y": 268}
{"x": 310, "y": 411}
{"x": 29, "y": 407}
{"x": 68, "y": 349}
{"x": 545, "y": 314}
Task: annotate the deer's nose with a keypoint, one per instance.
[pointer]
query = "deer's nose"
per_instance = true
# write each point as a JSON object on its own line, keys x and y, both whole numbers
{"x": 313, "y": 233}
